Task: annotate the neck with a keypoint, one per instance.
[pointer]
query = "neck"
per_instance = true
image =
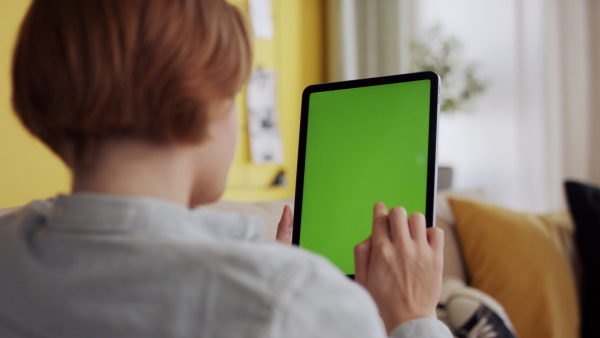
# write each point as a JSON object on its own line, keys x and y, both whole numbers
{"x": 138, "y": 169}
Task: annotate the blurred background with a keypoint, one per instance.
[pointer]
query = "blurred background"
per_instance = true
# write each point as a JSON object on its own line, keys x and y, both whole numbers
{"x": 520, "y": 90}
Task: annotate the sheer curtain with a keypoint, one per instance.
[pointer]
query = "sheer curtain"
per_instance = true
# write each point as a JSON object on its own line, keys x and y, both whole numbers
{"x": 368, "y": 38}
{"x": 594, "y": 28}
{"x": 554, "y": 102}
{"x": 535, "y": 125}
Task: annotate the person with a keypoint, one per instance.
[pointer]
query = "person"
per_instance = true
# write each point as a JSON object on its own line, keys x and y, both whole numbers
{"x": 137, "y": 98}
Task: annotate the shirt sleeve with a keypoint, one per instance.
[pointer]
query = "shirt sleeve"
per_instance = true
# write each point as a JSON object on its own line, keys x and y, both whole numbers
{"x": 321, "y": 302}
{"x": 423, "y": 327}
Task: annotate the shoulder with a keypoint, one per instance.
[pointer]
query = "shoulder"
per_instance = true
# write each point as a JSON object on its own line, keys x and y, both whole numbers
{"x": 297, "y": 293}
{"x": 29, "y": 215}
{"x": 314, "y": 298}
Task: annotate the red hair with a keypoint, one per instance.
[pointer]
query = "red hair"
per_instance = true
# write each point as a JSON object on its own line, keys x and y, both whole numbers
{"x": 89, "y": 70}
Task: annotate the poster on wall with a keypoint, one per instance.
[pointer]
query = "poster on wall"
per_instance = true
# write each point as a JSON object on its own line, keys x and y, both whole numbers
{"x": 262, "y": 18}
{"x": 263, "y": 121}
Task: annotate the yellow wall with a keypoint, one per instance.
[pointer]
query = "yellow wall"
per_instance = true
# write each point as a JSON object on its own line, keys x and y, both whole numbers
{"x": 296, "y": 53}
{"x": 28, "y": 170}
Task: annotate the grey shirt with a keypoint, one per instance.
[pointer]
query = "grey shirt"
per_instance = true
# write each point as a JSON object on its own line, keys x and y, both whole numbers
{"x": 89, "y": 265}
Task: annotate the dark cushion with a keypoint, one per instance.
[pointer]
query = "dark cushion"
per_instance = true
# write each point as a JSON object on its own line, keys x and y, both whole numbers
{"x": 584, "y": 204}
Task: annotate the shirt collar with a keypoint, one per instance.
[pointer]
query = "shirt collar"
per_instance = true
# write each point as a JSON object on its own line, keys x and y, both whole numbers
{"x": 99, "y": 213}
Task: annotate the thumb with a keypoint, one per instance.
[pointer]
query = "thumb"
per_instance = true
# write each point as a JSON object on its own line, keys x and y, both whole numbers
{"x": 284, "y": 228}
{"x": 362, "y": 256}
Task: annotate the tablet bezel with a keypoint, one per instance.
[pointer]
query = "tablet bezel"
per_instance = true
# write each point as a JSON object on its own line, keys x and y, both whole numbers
{"x": 432, "y": 143}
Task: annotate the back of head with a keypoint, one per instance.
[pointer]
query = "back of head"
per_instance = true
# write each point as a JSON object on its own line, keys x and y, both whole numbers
{"x": 89, "y": 70}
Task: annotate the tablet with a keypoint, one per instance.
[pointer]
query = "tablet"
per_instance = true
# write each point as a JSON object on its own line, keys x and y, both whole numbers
{"x": 362, "y": 142}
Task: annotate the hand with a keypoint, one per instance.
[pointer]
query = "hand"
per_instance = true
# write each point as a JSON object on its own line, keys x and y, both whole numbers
{"x": 284, "y": 228}
{"x": 400, "y": 265}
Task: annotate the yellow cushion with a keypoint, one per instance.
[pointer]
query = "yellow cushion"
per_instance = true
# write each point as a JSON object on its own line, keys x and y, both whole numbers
{"x": 522, "y": 261}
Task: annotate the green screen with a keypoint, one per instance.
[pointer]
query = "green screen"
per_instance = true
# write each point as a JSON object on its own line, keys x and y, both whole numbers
{"x": 364, "y": 145}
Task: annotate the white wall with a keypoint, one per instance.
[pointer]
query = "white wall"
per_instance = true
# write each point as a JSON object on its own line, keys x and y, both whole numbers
{"x": 594, "y": 20}
{"x": 534, "y": 127}
{"x": 482, "y": 144}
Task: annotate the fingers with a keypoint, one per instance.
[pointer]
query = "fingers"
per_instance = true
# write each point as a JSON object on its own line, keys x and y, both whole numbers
{"x": 381, "y": 232}
{"x": 435, "y": 238}
{"x": 362, "y": 256}
{"x": 398, "y": 227}
{"x": 401, "y": 266}
{"x": 417, "y": 226}
{"x": 284, "y": 228}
